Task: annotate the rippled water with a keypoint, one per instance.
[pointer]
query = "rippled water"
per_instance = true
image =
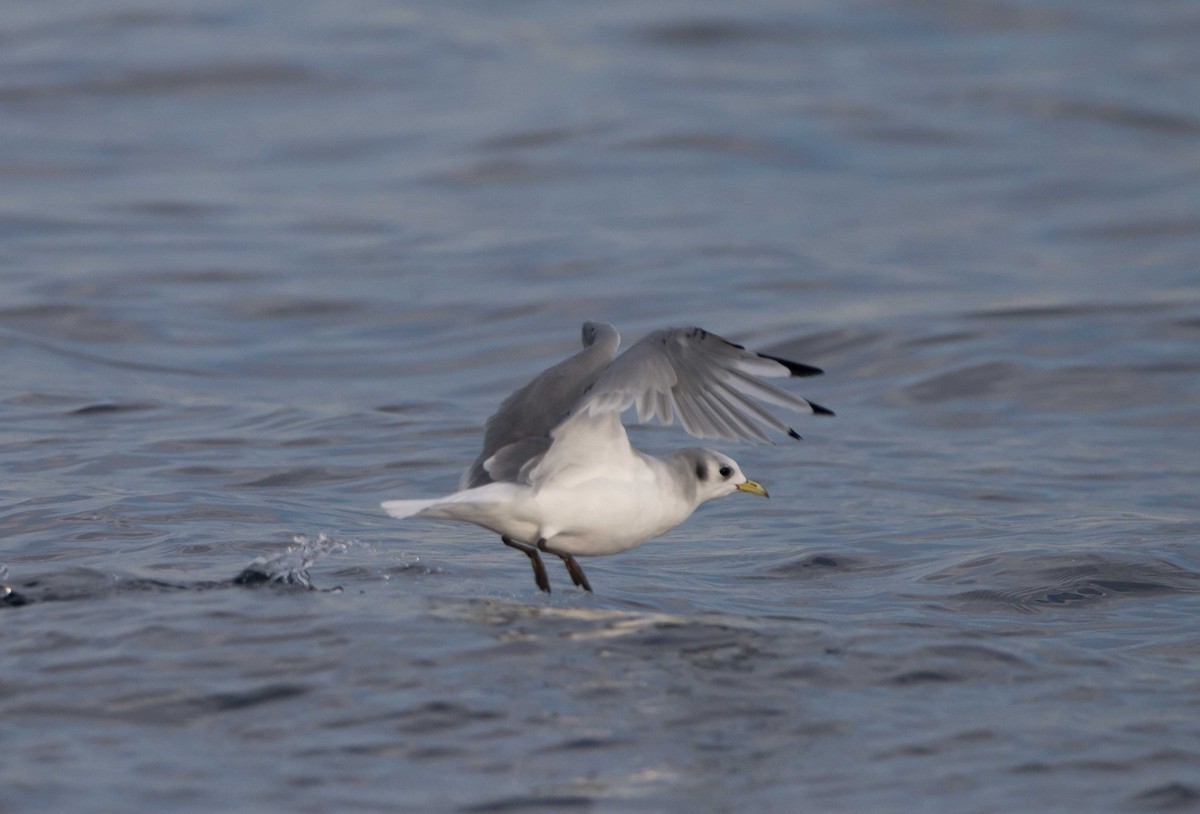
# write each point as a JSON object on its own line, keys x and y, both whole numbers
{"x": 263, "y": 265}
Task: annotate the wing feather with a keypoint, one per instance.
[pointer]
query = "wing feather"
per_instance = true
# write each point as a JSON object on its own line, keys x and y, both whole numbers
{"x": 713, "y": 387}
{"x": 749, "y": 405}
{"x": 744, "y": 424}
{"x": 764, "y": 391}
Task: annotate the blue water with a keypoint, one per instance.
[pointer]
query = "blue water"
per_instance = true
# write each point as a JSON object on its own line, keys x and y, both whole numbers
{"x": 263, "y": 265}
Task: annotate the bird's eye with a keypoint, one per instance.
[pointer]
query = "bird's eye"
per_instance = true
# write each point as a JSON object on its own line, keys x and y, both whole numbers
{"x": 725, "y": 471}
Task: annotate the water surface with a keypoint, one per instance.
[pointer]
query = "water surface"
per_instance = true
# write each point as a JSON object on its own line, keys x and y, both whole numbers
{"x": 267, "y": 264}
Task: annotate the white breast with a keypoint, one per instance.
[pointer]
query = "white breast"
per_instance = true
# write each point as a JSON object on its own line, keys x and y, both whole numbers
{"x": 595, "y": 515}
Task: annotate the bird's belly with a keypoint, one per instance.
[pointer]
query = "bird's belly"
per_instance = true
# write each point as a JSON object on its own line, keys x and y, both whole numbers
{"x": 605, "y": 518}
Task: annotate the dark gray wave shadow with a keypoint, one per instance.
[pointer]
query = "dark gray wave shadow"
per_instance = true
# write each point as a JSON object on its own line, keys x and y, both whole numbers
{"x": 83, "y": 356}
{"x": 1039, "y": 583}
{"x": 82, "y": 584}
{"x": 182, "y": 711}
{"x": 549, "y": 802}
{"x": 287, "y": 570}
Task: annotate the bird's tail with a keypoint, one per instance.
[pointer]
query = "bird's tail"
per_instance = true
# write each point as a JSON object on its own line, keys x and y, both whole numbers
{"x": 476, "y": 505}
{"x": 406, "y": 508}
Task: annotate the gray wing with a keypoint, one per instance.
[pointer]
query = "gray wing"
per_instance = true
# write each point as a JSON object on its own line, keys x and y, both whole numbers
{"x": 711, "y": 385}
{"x": 520, "y": 429}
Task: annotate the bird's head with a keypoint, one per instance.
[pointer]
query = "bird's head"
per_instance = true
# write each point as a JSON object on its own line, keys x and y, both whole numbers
{"x": 716, "y": 475}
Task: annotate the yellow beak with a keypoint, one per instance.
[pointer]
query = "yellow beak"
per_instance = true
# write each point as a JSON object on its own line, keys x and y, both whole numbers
{"x": 753, "y": 487}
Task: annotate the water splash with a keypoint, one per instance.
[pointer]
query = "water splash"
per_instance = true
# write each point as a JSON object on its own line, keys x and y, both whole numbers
{"x": 291, "y": 566}
{"x": 8, "y": 597}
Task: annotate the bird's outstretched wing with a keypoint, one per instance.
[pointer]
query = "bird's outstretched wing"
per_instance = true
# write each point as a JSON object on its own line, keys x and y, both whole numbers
{"x": 714, "y": 387}
{"x": 571, "y": 412}
{"x": 520, "y": 428}
{"x": 711, "y": 385}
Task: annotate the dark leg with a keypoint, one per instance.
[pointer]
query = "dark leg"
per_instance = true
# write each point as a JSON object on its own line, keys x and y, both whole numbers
{"x": 577, "y": 575}
{"x": 539, "y": 570}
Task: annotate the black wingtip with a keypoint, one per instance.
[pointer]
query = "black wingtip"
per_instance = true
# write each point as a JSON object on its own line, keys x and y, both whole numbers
{"x": 819, "y": 410}
{"x": 794, "y": 434}
{"x": 794, "y": 368}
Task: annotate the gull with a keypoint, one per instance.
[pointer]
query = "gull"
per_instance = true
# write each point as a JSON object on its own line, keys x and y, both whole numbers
{"x": 558, "y": 475}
